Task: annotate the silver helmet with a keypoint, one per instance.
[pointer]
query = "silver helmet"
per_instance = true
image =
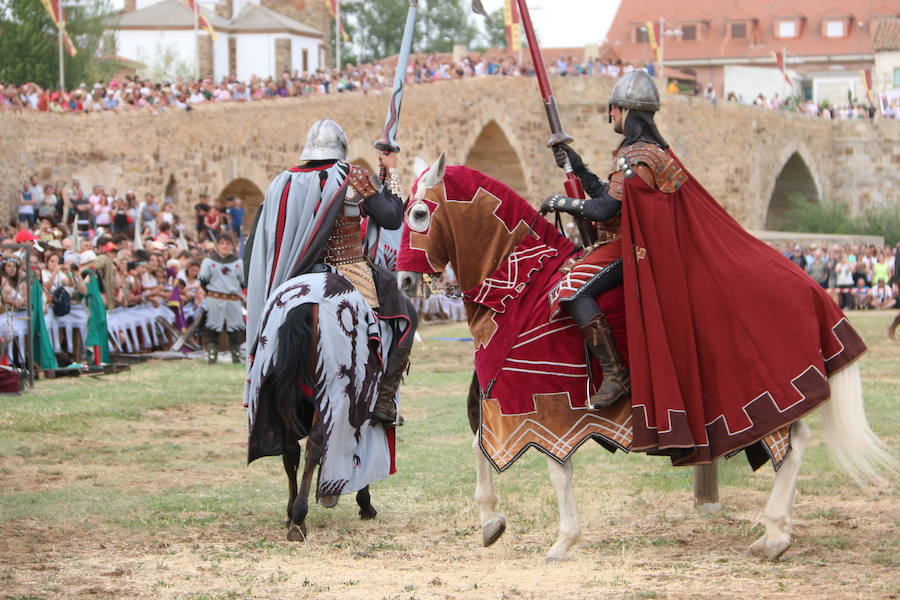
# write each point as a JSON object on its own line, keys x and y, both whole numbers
{"x": 326, "y": 141}
{"x": 635, "y": 90}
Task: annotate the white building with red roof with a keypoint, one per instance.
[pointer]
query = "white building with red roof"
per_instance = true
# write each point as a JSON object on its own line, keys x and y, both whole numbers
{"x": 731, "y": 43}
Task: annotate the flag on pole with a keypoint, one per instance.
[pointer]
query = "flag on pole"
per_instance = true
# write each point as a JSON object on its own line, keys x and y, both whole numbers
{"x": 866, "y": 75}
{"x": 780, "y": 58}
{"x": 202, "y": 20}
{"x": 652, "y": 36}
{"x": 513, "y": 28}
{"x": 58, "y": 14}
{"x": 479, "y": 9}
{"x": 333, "y": 8}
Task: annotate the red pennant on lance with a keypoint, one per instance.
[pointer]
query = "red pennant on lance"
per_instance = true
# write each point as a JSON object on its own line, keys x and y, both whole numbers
{"x": 779, "y": 60}
{"x": 201, "y": 20}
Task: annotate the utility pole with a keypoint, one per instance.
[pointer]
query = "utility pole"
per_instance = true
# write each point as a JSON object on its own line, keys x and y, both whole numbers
{"x": 196, "y": 6}
{"x": 337, "y": 34}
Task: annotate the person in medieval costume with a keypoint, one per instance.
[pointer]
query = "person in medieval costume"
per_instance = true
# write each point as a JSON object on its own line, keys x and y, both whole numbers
{"x": 310, "y": 222}
{"x": 222, "y": 277}
{"x": 97, "y": 338}
{"x": 729, "y": 343}
{"x": 642, "y": 152}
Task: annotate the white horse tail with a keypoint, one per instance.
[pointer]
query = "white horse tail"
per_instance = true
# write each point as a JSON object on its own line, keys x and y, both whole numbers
{"x": 850, "y": 440}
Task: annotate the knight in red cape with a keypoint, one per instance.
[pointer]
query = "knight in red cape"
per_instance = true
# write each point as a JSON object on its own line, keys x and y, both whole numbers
{"x": 729, "y": 342}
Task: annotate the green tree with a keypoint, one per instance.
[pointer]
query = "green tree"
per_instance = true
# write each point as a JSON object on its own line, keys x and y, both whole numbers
{"x": 495, "y": 30}
{"x": 446, "y": 23}
{"x": 376, "y": 27}
{"x": 28, "y": 41}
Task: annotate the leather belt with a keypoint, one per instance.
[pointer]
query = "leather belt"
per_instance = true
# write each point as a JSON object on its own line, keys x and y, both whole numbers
{"x": 221, "y": 296}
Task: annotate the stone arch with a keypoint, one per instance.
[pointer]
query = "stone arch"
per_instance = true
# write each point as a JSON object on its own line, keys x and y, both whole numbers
{"x": 794, "y": 181}
{"x": 493, "y": 154}
{"x": 172, "y": 191}
{"x": 249, "y": 193}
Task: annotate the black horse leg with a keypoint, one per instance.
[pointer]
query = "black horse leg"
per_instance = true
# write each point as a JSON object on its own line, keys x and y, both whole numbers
{"x": 300, "y": 507}
{"x": 364, "y": 500}
{"x": 291, "y": 460}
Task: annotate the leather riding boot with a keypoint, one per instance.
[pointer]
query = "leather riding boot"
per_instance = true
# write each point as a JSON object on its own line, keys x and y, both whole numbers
{"x": 385, "y": 408}
{"x": 892, "y": 328}
{"x": 616, "y": 379}
{"x": 212, "y": 352}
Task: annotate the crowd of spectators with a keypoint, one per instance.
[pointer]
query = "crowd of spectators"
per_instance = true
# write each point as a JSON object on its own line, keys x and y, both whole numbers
{"x": 70, "y": 228}
{"x": 857, "y": 277}
{"x": 131, "y": 93}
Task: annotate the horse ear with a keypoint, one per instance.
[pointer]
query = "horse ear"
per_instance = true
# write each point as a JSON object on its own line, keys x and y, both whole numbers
{"x": 419, "y": 167}
{"x": 436, "y": 172}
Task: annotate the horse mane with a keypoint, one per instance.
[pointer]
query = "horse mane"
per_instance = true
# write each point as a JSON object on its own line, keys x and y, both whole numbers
{"x": 462, "y": 183}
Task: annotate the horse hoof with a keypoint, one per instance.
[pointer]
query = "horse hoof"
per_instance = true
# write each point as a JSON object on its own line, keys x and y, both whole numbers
{"x": 770, "y": 549}
{"x": 492, "y": 530}
{"x": 368, "y": 513}
{"x": 296, "y": 533}
{"x": 709, "y": 508}
{"x": 329, "y": 501}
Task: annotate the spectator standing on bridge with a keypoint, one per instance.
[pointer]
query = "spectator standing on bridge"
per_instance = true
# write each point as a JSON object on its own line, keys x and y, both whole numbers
{"x": 235, "y": 214}
{"x": 201, "y": 209}
{"x": 26, "y": 205}
{"x": 149, "y": 211}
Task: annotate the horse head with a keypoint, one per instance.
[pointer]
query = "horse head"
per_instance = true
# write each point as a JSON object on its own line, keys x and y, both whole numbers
{"x": 462, "y": 217}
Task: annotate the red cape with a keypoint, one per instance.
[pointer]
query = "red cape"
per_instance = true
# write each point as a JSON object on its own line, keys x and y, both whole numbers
{"x": 728, "y": 340}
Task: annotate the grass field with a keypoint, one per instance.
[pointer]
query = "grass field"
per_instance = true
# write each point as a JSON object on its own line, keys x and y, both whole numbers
{"x": 135, "y": 486}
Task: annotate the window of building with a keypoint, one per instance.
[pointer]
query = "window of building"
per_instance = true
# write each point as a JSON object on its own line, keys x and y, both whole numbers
{"x": 640, "y": 35}
{"x": 305, "y": 60}
{"x": 786, "y": 29}
{"x": 688, "y": 33}
{"x": 896, "y": 78}
{"x": 738, "y": 31}
{"x": 834, "y": 28}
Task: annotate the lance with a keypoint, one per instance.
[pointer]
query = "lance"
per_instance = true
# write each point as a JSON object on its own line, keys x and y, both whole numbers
{"x": 573, "y": 186}
{"x": 388, "y": 142}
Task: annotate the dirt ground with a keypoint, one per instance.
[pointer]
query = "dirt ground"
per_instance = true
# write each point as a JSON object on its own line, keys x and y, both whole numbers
{"x": 157, "y": 503}
{"x": 659, "y": 549}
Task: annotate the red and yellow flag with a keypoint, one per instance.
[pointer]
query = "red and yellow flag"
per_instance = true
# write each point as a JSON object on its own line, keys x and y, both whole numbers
{"x": 58, "y": 14}
{"x": 780, "y": 61}
{"x": 334, "y": 8}
{"x": 652, "y": 36}
{"x": 202, "y": 20}
{"x": 866, "y": 75}
{"x": 513, "y": 28}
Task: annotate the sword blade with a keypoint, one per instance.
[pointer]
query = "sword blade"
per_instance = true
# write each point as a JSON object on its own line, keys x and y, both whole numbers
{"x": 388, "y": 141}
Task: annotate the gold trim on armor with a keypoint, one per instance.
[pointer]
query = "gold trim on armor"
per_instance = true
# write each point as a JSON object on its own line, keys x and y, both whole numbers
{"x": 360, "y": 275}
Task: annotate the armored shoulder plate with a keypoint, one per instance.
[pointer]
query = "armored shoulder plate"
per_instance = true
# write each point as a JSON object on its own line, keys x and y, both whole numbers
{"x": 667, "y": 173}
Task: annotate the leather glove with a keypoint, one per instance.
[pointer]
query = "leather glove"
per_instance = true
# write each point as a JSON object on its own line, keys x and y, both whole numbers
{"x": 560, "y": 203}
{"x": 561, "y": 152}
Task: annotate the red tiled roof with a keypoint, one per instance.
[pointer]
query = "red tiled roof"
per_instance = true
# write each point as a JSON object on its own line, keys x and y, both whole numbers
{"x": 886, "y": 9}
{"x": 887, "y": 35}
{"x": 837, "y": 11}
{"x": 691, "y": 15}
{"x": 761, "y": 42}
{"x": 789, "y": 13}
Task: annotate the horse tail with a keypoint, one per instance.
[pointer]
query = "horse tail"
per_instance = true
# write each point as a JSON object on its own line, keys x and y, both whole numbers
{"x": 292, "y": 377}
{"x": 850, "y": 440}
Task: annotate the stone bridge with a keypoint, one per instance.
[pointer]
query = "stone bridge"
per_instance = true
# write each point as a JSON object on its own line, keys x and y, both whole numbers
{"x": 751, "y": 160}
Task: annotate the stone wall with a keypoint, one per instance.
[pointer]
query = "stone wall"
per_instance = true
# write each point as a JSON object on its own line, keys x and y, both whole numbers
{"x": 499, "y": 125}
